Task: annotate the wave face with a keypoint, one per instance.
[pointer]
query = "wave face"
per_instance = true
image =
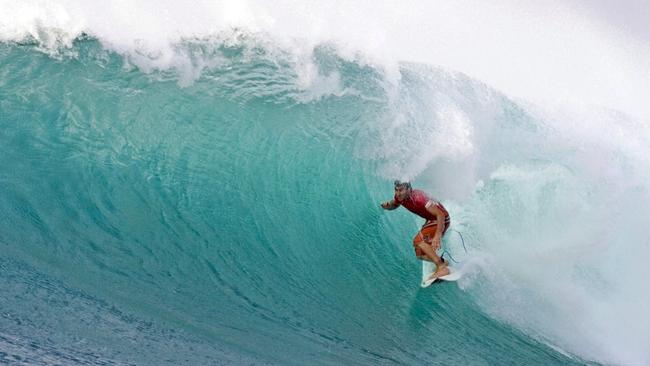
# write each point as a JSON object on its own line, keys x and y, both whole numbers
{"x": 227, "y": 212}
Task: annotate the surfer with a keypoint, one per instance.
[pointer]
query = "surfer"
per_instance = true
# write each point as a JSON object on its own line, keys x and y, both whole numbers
{"x": 427, "y": 241}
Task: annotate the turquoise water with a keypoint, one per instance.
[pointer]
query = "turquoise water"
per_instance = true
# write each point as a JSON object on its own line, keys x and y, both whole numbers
{"x": 233, "y": 218}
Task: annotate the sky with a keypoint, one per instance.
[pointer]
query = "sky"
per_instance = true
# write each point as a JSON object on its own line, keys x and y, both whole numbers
{"x": 630, "y": 16}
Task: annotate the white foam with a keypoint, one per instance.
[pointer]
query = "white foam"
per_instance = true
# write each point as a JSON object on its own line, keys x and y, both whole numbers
{"x": 567, "y": 253}
{"x": 527, "y": 49}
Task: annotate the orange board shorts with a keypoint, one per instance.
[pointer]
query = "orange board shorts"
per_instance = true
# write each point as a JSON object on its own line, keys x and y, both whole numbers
{"x": 427, "y": 233}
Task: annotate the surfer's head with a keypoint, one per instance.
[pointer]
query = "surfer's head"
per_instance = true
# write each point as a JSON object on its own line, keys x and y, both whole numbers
{"x": 402, "y": 190}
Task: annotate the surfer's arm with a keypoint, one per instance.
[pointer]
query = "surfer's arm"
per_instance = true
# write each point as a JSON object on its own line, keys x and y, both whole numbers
{"x": 389, "y": 205}
{"x": 440, "y": 223}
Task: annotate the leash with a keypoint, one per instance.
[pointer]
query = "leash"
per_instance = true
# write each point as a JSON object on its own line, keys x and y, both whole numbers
{"x": 449, "y": 254}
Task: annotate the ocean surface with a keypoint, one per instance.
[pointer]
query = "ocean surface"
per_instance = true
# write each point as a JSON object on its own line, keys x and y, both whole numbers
{"x": 215, "y": 200}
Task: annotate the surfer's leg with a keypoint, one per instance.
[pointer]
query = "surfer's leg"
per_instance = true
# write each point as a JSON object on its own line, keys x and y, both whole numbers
{"x": 442, "y": 267}
{"x": 424, "y": 244}
{"x": 423, "y": 248}
{"x": 431, "y": 255}
{"x": 420, "y": 254}
{"x": 425, "y": 251}
{"x": 424, "y": 258}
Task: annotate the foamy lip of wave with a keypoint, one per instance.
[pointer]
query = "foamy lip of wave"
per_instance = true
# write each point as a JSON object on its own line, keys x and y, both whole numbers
{"x": 48, "y": 24}
{"x": 53, "y": 28}
{"x": 602, "y": 67}
{"x": 171, "y": 37}
{"x": 172, "y": 42}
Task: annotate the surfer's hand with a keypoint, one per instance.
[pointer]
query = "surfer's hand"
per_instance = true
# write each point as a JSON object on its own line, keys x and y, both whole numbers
{"x": 384, "y": 205}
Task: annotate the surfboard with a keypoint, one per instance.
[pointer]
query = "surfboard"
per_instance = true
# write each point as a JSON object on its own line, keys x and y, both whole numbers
{"x": 428, "y": 268}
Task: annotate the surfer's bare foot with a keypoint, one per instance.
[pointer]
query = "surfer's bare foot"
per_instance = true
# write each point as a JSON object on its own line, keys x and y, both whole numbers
{"x": 443, "y": 270}
{"x": 440, "y": 266}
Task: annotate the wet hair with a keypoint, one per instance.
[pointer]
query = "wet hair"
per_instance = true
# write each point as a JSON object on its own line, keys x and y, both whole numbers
{"x": 399, "y": 183}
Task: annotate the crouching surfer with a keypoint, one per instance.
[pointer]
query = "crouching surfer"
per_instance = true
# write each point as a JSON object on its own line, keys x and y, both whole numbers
{"x": 427, "y": 241}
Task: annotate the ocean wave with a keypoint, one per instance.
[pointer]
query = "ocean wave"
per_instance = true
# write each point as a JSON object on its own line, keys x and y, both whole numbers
{"x": 238, "y": 203}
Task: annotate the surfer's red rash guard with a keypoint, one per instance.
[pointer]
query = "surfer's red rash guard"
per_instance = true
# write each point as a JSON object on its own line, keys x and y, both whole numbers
{"x": 418, "y": 203}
